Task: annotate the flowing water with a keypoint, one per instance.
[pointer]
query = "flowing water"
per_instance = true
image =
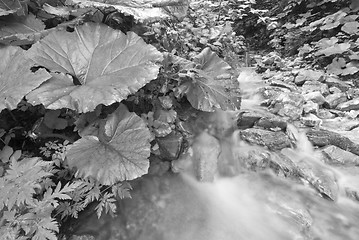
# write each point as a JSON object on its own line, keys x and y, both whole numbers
{"x": 242, "y": 205}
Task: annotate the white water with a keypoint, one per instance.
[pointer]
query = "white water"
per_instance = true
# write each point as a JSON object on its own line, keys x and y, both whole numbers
{"x": 247, "y": 205}
{"x": 262, "y": 206}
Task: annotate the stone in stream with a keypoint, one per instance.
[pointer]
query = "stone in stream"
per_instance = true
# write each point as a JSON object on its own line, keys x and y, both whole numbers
{"x": 335, "y": 155}
{"x": 271, "y": 92}
{"x": 333, "y": 100}
{"x": 320, "y": 177}
{"x": 305, "y": 75}
{"x": 311, "y": 86}
{"x": 206, "y": 150}
{"x": 170, "y": 145}
{"x": 334, "y": 81}
{"x": 276, "y": 83}
{"x": 271, "y": 122}
{"x": 310, "y": 120}
{"x": 261, "y": 137}
{"x": 349, "y": 105}
{"x": 247, "y": 118}
{"x": 323, "y": 138}
{"x": 315, "y": 96}
{"x": 288, "y": 105}
{"x": 311, "y": 107}
{"x": 325, "y": 114}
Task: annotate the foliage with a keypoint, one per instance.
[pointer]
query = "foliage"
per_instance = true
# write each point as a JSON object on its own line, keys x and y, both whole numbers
{"x": 322, "y": 32}
{"x": 95, "y": 91}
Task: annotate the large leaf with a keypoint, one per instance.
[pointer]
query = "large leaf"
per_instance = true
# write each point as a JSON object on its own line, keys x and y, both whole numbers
{"x": 9, "y": 6}
{"x": 106, "y": 65}
{"x": 16, "y": 78}
{"x": 337, "y": 48}
{"x": 118, "y": 153}
{"x": 22, "y": 30}
{"x": 208, "y": 90}
{"x": 141, "y": 10}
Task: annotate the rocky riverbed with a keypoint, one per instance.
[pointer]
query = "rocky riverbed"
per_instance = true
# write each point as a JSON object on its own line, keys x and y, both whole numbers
{"x": 287, "y": 163}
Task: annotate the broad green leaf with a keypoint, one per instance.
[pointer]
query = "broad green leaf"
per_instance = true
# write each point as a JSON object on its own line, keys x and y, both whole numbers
{"x": 22, "y": 30}
{"x": 106, "y": 66}
{"x": 351, "y": 68}
{"x": 335, "y": 49}
{"x": 141, "y": 10}
{"x": 336, "y": 67}
{"x": 118, "y": 153}
{"x": 9, "y": 6}
{"x": 61, "y": 11}
{"x": 16, "y": 78}
{"x": 207, "y": 91}
{"x": 351, "y": 27}
{"x": 326, "y": 42}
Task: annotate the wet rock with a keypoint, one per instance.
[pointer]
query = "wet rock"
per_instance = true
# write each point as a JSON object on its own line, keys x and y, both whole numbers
{"x": 282, "y": 166}
{"x": 170, "y": 146}
{"x": 311, "y": 86}
{"x": 325, "y": 114}
{"x": 340, "y": 124}
{"x": 334, "y": 90}
{"x": 270, "y": 92}
{"x": 349, "y": 105}
{"x": 310, "y": 120}
{"x": 320, "y": 177}
{"x": 323, "y": 138}
{"x": 311, "y": 107}
{"x": 305, "y": 75}
{"x": 353, "y": 114}
{"x": 335, "y": 155}
{"x": 334, "y": 99}
{"x": 272, "y": 140}
{"x": 288, "y": 105}
{"x": 315, "y": 96}
{"x": 247, "y": 119}
{"x": 254, "y": 159}
{"x": 353, "y": 93}
{"x": 271, "y": 122}
{"x": 334, "y": 81}
{"x": 277, "y": 83}
{"x": 206, "y": 150}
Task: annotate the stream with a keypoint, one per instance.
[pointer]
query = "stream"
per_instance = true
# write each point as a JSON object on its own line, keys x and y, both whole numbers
{"x": 258, "y": 190}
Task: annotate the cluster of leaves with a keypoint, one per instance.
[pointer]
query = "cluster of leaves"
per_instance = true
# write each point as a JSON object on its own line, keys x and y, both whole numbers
{"x": 208, "y": 24}
{"x": 322, "y": 32}
{"x": 97, "y": 102}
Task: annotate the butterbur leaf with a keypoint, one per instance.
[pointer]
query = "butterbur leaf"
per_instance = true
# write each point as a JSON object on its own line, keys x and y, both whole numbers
{"x": 207, "y": 91}
{"x": 57, "y": 11}
{"x": 351, "y": 27}
{"x": 15, "y": 30}
{"x": 16, "y": 78}
{"x": 141, "y": 10}
{"x": 351, "y": 68}
{"x": 9, "y": 6}
{"x": 118, "y": 153}
{"x": 335, "y": 49}
{"x": 105, "y": 66}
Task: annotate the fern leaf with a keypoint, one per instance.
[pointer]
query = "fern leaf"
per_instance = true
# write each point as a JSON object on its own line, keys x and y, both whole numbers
{"x": 21, "y": 181}
{"x": 46, "y": 229}
{"x": 93, "y": 194}
{"x": 122, "y": 190}
{"x": 107, "y": 203}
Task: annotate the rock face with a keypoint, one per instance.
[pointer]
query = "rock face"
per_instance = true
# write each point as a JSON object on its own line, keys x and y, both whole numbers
{"x": 272, "y": 140}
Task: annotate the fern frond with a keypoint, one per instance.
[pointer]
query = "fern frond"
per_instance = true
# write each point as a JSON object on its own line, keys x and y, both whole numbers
{"x": 107, "y": 203}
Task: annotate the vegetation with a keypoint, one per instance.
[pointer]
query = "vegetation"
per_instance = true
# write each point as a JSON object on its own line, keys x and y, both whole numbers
{"x": 94, "y": 95}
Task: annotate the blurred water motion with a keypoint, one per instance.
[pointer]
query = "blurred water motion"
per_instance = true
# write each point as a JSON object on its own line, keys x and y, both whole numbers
{"x": 240, "y": 204}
